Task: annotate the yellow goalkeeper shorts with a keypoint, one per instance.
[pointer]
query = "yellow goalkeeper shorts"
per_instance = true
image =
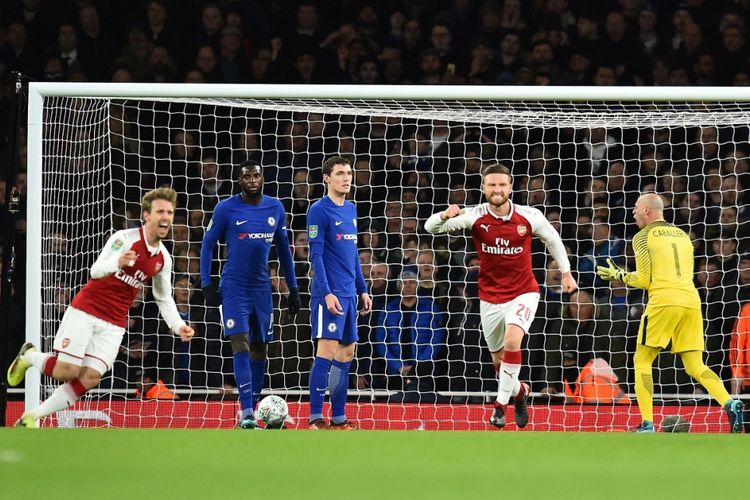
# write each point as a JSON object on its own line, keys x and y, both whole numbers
{"x": 680, "y": 325}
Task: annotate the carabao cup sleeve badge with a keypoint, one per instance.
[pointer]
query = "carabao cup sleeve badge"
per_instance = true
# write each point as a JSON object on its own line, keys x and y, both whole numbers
{"x": 312, "y": 231}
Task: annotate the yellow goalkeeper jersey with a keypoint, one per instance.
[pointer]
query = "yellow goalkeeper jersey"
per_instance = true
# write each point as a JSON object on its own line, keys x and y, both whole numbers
{"x": 664, "y": 266}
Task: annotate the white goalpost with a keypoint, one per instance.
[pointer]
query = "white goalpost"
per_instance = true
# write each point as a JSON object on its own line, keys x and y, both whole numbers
{"x": 580, "y": 154}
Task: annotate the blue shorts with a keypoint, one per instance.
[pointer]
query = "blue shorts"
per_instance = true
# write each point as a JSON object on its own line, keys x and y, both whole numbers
{"x": 247, "y": 312}
{"x": 326, "y": 325}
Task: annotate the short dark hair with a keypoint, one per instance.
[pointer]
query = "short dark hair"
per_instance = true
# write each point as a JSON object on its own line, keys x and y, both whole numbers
{"x": 334, "y": 160}
{"x": 496, "y": 168}
{"x": 248, "y": 164}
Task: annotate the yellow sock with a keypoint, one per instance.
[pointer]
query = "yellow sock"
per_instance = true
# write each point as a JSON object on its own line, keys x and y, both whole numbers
{"x": 644, "y": 380}
{"x": 696, "y": 368}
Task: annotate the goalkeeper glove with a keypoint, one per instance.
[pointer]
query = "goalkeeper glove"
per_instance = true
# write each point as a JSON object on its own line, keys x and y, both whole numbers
{"x": 294, "y": 303}
{"x": 612, "y": 272}
{"x": 211, "y": 295}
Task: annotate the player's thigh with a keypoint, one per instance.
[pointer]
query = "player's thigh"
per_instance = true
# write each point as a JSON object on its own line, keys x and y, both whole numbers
{"x": 350, "y": 335}
{"x": 235, "y": 313}
{"x": 73, "y": 336}
{"x": 326, "y": 325}
{"x": 496, "y": 318}
{"x": 493, "y": 324}
{"x": 521, "y": 311}
{"x": 688, "y": 334}
{"x": 105, "y": 343}
{"x": 656, "y": 327}
{"x": 261, "y": 318}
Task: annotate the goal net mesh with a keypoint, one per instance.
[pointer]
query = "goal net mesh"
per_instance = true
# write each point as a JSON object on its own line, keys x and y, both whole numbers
{"x": 582, "y": 163}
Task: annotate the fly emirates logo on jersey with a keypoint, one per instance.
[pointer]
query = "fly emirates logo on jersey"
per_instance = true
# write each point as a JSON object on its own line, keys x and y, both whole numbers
{"x": 136, "y": 280}
{"x": 501, "y": 247}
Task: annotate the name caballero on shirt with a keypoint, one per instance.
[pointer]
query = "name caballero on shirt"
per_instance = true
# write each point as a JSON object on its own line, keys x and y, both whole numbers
{"x": 675, "y": 233}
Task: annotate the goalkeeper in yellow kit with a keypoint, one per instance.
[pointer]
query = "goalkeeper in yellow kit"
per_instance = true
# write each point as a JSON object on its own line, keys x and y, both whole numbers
{"x": 664, "y": 268}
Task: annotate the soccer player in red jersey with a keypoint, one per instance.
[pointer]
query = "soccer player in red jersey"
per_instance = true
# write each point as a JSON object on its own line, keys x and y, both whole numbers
{"x": 508, "y": 291}
{"x": 92, "y": 328}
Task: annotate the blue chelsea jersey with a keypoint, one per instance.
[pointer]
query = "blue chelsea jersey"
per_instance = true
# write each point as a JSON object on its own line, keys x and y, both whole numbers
{"x": 249, "y": 231}
{"x": 332, "y": 231}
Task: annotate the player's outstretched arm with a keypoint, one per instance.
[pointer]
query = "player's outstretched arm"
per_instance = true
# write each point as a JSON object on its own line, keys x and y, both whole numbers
{"x": 453, "y": 218}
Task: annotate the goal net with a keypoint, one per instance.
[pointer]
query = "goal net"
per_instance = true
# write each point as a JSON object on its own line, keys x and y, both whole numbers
{"x": 580, "y": 157}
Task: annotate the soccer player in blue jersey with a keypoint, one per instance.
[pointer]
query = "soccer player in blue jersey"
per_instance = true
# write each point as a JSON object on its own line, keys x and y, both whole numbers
{"x": 249, "y": 223}
{"x": 336, "y": 283}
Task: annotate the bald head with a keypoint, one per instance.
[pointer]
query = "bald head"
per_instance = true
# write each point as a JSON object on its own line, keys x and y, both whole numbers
{"x": 648, "y": 208}
{"x": 652, "y": 201}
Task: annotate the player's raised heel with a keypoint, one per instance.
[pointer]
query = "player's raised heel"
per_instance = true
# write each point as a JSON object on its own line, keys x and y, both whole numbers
{"x": 521, "y": 406}
{"x": 346, "y": 425}
{"x": 17, "y": 370}
{"x": 498, "y": 416}
{"x": 249, "y": 423}
{"x": 735, "y": 409}
{"x": 27, "y": 420}
{"x": 645, "y": 427}
{"x": 318, "y": 425}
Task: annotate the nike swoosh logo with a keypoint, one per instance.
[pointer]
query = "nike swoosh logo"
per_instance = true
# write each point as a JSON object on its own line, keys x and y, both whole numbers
{"x": 240, "y": 222}
{"x": 338, "y": 223}
{"x": 244, "y": 385}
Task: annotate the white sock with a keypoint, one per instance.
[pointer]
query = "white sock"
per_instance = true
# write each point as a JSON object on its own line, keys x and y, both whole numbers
{"x": 516, "y": 388}
{"x": 37, "y": 359}
{"x": 63, "y": 397}
{"x": 508, "y": 383}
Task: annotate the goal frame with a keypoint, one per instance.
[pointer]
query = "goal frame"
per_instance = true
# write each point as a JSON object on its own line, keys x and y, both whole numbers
{"x": 39, "y": 90}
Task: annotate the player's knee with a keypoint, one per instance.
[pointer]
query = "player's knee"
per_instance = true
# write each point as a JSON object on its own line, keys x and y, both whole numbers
{"x": 90, "y": 378}
{"x": 345, "y": 352}
{"x": 240, "y": 343}
{"x": 65, "y": 372}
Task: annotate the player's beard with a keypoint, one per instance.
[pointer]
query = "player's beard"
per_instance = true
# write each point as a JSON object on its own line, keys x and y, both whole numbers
{"x": 498, "y": 201}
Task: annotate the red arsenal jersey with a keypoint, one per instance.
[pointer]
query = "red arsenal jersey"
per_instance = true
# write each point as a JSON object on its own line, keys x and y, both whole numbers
{"x": 504, "y": 248}
{"x": 110, "y": 296}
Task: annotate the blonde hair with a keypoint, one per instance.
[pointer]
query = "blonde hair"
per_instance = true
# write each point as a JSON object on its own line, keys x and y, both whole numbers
{"x": 162, "y": 193}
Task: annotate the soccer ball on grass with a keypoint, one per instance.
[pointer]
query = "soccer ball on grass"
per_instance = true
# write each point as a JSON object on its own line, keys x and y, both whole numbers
{"x": 273, "y": 411}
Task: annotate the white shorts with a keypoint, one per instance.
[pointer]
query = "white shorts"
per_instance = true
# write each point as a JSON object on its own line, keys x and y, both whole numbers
{"x": 85, "y": 340}
{"x": 496, "y": 317}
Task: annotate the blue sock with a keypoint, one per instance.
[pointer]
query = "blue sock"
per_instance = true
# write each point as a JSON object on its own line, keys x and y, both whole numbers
{"x": 243, "y": 376}
{"x": 338, "y": 384}
{"x": 318, "y": 386}
{"x": 258, "y": 369}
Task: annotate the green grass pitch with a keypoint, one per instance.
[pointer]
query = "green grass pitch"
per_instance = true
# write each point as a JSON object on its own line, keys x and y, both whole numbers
{"x": 137, "y": 464}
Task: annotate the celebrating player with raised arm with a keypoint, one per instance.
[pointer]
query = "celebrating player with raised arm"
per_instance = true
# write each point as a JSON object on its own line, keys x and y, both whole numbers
{"x": 508, "y": 291}
{"x": 249, "y": 223}
{"x": 336, "y": 283}
{"x": 92, "y": 327}
{"x": 664, "y": 268}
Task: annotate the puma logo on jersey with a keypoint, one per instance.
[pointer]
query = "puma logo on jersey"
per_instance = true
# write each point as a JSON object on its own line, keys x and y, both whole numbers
{"x": 240, "y": 222}
{"x": 486, "y": 227}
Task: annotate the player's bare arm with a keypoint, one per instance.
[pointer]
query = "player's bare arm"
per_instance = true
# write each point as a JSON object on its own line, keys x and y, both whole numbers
{"x": 186, "y": 333}
{"x": 569, "y": 284}
{"x": 333, "y": 304}
{"x": 366, "y": 304}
